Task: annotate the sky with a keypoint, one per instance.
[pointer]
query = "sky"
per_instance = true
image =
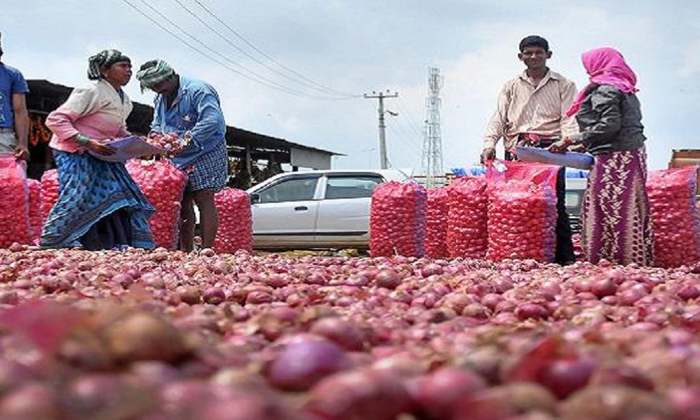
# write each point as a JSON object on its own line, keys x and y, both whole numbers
{"x": 299, "y": 69}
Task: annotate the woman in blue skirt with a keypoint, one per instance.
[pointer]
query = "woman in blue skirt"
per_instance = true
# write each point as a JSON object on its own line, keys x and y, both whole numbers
{"x": 99, "y": 205}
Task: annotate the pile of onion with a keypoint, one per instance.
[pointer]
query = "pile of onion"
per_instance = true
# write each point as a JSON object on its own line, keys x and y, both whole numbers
{"x": 170, "y": 142}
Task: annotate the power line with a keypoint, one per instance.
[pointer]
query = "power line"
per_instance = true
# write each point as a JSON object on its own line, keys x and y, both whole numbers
{"x": 265, "y": 82}
{"x": 402, "y": 138}
{"x": 407, "y": 132}
{"x": 254, "y": 48}
{"x": 411, "y": 119}
{"x": 273, "y": 86}
{"x": 304, "y": 81}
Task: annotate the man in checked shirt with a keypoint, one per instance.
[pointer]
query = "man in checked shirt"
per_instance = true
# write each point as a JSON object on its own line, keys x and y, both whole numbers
{"x": 531, "y": 111}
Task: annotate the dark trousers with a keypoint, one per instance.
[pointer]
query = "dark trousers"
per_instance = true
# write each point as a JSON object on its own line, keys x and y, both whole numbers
{"x": 564, "y": 251}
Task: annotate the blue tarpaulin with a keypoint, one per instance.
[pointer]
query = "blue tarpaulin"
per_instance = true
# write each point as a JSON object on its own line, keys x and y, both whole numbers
{"x": 476, "y": 171}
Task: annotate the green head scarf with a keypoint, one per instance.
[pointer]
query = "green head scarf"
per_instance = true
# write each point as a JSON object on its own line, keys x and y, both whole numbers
{"x": 102, "y": 59}
{"x": 153, "y": 73}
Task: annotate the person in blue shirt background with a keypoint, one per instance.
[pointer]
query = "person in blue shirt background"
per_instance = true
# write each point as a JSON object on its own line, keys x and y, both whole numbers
{"x": 191, "y": 108}
{"x": 14, "y": 118}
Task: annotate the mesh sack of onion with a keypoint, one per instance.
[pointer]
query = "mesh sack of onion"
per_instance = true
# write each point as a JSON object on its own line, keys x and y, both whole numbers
{"x": 14, "y": 203}
{"x": 235, "y": 221}
{"x": 466, "y": 226}
{"x": 674, "y": 216}
{"x": 397, "y": 219}
{"x": 522, "y": 211}
{"x": 163, "y": 184}
{"x": 49, "y": 192}
{"x": 436, "y": 210}
{"x": 35, "y": 220}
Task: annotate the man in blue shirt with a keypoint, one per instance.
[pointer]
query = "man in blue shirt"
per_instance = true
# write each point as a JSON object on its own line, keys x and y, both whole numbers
{"x": 14, "y": 118}
{"x": 191, "y": 109}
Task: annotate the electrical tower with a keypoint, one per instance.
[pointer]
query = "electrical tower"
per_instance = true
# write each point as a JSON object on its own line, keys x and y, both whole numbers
{"x": 431, "y": 158}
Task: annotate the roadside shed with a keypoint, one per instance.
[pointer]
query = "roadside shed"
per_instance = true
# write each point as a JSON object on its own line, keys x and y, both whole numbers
{"x": 253, "y": 157}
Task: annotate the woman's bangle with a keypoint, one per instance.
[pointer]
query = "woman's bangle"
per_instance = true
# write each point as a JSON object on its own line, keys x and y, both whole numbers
{"x": 82, "y": 140}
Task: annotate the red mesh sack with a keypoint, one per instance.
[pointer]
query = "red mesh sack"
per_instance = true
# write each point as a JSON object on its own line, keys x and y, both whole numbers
{"x": 522, "y": 211}
{"x": 466, "y": 226}
{"x": 49, "y": 192}
{"x": 674, "y": 216}
{"x": 14, "y": 203}
{"x": 436, "y": 210}
{"x": 163, "y": 184}
{"x": 397, "y": 219}
{"x": 35, "y": 220}
{"x": 235, "y": 221}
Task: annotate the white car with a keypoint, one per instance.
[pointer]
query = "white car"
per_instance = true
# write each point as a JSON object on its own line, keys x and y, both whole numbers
{"x": 316, "y": 209}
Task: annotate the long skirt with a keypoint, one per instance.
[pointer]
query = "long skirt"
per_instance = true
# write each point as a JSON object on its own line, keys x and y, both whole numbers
{"x": 615, "y": 214}
{"x": 99, "y": 206}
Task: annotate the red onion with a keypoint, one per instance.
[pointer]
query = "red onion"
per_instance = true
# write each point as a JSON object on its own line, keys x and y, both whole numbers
{"x": 359, "y": 394}
{"x": 387, "y": 278}
{"x": 302, "y": 364}
{"x": 340, "y": 331}
{"x": 440, "y": 391}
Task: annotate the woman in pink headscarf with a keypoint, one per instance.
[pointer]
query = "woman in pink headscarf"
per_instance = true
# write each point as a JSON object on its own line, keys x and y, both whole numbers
{"x": 615, "y": 214}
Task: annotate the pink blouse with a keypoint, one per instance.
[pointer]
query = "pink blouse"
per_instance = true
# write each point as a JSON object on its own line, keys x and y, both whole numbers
{"x": 95, "y": 110}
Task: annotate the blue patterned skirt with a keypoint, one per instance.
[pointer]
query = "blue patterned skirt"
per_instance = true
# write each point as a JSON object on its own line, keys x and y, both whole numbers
{"x": 99, "y": 206}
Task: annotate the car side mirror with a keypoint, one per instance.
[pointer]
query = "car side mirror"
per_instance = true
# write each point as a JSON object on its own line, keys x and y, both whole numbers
{"x": 254, "y": 198}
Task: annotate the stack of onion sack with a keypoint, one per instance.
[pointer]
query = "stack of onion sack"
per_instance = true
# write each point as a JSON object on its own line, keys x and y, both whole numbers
{"x": 14, "y": 203}
{"x": 436, "y": 209}
{"x": 235, "y": 221}
{"x": 163, "y": 185}
{"x": 35, "y": 220}
{"x": 522, "y": 211}
{"x": 397, "y": 219}
{"x": 467, "y": 221}
{"x": 674, "y": 216}
{"x": 49, "y": 192}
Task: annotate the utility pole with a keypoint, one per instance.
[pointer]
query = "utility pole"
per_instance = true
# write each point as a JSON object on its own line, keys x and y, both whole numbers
{"x": 384, "y": 162}
{"x": 431, "y": 160}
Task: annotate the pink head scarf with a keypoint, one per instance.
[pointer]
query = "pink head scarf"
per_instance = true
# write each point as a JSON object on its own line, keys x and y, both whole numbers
{"x": 605, "y": 66}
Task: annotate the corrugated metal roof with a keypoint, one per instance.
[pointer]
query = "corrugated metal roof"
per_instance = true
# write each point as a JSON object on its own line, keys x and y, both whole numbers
{"x": 140, "y": 119}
